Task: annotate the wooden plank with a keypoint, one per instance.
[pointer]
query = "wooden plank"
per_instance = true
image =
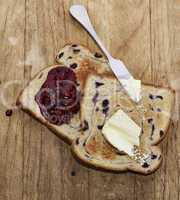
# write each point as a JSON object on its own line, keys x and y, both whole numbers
{"x": 11, "y": 129}
{"x": 75, "y": 176}
{"x": 34, "y": 163}
{"x": 42, "y": 157}
{"x": 40, "y": 173}
{"x": 166, "y": 181}
{"x": 125, "y": 30}
{"x": 159, "y": 61}
{"x": 49, "y": 169}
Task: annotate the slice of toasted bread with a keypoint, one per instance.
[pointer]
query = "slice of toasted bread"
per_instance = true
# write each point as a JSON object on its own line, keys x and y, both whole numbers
{"x": 83, "y": 63}
{"x": 152, "y": 113}
{"x": 97, "y": 83}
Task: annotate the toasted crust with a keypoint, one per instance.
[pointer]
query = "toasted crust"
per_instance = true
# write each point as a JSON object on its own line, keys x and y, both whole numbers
{"x": 57, "y": 133}
{"x": 117, "y": 169}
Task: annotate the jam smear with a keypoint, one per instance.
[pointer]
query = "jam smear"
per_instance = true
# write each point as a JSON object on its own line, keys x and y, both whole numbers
{"x": 58, "y": 98}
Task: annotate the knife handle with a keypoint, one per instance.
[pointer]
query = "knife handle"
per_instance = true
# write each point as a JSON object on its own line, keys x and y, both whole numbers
{"x": 79, "y": 12}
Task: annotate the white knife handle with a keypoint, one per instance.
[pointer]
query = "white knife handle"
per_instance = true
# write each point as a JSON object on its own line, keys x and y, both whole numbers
{"x": 79, "y": 12}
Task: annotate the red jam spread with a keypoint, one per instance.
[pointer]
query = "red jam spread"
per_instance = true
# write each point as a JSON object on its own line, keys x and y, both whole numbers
{"x": 58, "y": 98}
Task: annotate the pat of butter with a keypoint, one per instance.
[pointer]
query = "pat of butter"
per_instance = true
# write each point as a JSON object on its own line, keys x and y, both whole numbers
{"x": 122, "y": 132}
{"x": 133, "y": 88}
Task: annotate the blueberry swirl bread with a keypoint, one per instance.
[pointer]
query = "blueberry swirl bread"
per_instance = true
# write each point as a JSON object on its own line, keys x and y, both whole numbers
{"x": 75, "y": 98}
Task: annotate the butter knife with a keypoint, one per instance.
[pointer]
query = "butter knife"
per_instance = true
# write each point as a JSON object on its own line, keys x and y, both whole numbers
{"x": 131, "y": 85}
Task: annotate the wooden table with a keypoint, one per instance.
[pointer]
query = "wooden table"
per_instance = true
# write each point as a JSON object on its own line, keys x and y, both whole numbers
{"x": 34, "y": 163}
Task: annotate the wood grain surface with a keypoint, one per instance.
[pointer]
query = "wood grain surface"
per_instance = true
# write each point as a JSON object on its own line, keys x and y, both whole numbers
{"x": 34, "y": 163}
